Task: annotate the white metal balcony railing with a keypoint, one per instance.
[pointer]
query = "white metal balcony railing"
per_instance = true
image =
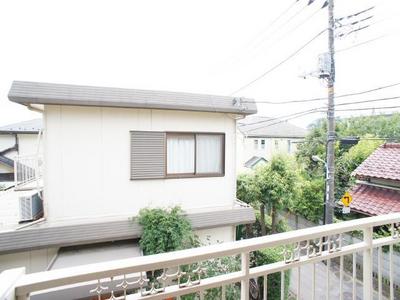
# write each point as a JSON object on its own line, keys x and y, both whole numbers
{"x": 307, "y": 248}
{"x": 27, "y": 169}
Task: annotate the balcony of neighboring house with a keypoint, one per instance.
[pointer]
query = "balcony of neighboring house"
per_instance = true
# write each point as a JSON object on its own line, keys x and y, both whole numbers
{"x": 22, "y": 201}
{"x": 337, "y": 261}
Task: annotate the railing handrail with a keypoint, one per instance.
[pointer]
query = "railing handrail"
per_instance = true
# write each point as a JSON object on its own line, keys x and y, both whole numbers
{"x": 55, "y": 278}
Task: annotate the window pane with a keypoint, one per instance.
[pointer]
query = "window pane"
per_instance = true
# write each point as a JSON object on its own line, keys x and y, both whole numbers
{"x": 180, "y": 154}
{"x": 262, "y": 144}
{"x": 255, "y": 144}
{"x": 209, "y": 149}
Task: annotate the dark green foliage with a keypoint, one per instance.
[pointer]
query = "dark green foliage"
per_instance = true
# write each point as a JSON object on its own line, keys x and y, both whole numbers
{"x": 165, "y": 230}
{"x": 268, "y": 256}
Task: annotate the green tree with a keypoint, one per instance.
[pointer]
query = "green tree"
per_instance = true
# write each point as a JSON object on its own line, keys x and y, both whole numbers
{"x": 275, "y": 184}
{"x": 165, "y": 230}
{"x": 248, "y": 190}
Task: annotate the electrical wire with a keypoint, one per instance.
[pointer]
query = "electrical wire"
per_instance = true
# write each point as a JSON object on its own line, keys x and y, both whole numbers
{"x": 288, "y": 21}
{"x": 353, "y": 31}
{"x": 368, "y": 108}
{"x": 356, "y": 14}
{"x": 284, "y": 120}
{"x": 368, "y": 101}
{"x": 281, "y": 119}
{"x": 325, "y": 98}
{"x": 279, "y": 64}
{"x": 360, "y": 44}
{"x": 355, "y": 22}
{"x": 276, "y": 19}
{"x": 273, "y": 119}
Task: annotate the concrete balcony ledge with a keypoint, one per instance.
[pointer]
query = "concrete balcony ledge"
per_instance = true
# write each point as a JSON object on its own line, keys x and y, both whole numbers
{"x": 84, "y": 231}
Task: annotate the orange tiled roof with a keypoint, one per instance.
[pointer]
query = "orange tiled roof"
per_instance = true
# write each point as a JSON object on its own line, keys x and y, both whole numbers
{"x": 371, "y": 200}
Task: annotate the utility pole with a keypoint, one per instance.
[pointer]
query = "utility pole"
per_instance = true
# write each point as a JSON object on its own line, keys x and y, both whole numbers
{"x": 330, "y": 143}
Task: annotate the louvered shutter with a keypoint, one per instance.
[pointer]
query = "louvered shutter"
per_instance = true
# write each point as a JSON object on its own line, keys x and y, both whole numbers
{"x": 147, "y": 154}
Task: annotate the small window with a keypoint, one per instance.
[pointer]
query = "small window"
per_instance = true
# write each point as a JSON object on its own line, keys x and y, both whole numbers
{"x": 195, "y": 154}
{"x": 255, "y": 144}
{"x": 262, "y": 144}
{"x": 276, "y": 144}
{"x": 289, "y": 146}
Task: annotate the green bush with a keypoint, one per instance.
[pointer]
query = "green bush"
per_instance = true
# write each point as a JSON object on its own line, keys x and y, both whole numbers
{"x": 165, "y": 230}
{"x": 265, "y": 257}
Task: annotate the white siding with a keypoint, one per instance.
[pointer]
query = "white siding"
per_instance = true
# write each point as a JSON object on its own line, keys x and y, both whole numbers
{"x": 216, "y": 235}
{"x": 87, "y": 155}
{"x": 33, "y": 261}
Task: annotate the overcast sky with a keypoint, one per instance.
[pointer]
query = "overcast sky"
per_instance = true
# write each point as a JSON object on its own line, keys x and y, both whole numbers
{"x": 197, "y": 46}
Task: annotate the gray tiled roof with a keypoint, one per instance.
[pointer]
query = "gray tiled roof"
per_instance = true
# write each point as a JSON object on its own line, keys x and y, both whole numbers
{"x": 63, "y": 94}
{"x": 31, "y": 126}
{"x": 258, "y": 126}
{"x": 252, "y": 162}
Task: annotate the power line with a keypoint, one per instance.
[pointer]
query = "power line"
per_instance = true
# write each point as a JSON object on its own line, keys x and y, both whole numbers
{"x": 296, "y": 27}
{"x": 281, "y": 26}
{"x": 355, "y": 15}
{"x": 368, "y": 101}
{"x": 369, "y": 108}
{"x": 273, "y": 119}
{"x": 276, "y": 19}
{"x": 353, "y": 31}
{"x": 281, "y": 119}
{"x": 325, "y": 98}
{"x": 279, "y": 64}
{"x": 362, "y": 43}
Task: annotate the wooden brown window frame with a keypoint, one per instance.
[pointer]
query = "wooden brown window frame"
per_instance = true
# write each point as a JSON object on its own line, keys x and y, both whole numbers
{"x": 194, "y": 174}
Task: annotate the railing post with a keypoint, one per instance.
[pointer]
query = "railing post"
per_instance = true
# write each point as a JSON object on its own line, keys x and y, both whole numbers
{"x": 244, "y": 287}
{"x": 367, "y": 265}
{"x": 8, "y": 279}
{"x": 15, "y": 171}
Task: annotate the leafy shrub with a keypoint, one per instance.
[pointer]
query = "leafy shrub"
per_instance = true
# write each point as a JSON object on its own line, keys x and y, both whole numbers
{"x": 165, "y": 230}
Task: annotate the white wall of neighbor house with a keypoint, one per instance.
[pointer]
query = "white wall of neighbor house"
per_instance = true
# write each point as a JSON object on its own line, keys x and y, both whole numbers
{"x": 6, "y": 141}
{"x": 28, "y": 144}
{"x": 87, "y": 158}
{"x": 33, "y": 260}
{"x": 216, "y": 235}
{"x": 264, "y": 147}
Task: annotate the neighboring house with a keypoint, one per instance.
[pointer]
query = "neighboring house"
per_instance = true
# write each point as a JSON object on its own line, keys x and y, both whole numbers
{"x": 109, "y": 152}
{"x": 261, "y": 137}
{"x": 377, "y": 191}
{"x": 17, "y": 139}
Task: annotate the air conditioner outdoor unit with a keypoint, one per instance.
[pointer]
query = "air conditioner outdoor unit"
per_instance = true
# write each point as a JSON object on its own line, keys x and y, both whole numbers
{"x": 30, "y": 207}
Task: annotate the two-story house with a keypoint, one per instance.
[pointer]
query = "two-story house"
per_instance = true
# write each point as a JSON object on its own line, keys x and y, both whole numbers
{"x": 109, "y": 152}
{"x": 259, "y": 138}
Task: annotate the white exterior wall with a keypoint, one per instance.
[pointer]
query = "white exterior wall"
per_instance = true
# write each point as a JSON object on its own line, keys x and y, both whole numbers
{"x": 87, "y": 162}
{"x": 28, "y": 144}
{"x": 216, "y": 235}
{"x": 33, "y": 261}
